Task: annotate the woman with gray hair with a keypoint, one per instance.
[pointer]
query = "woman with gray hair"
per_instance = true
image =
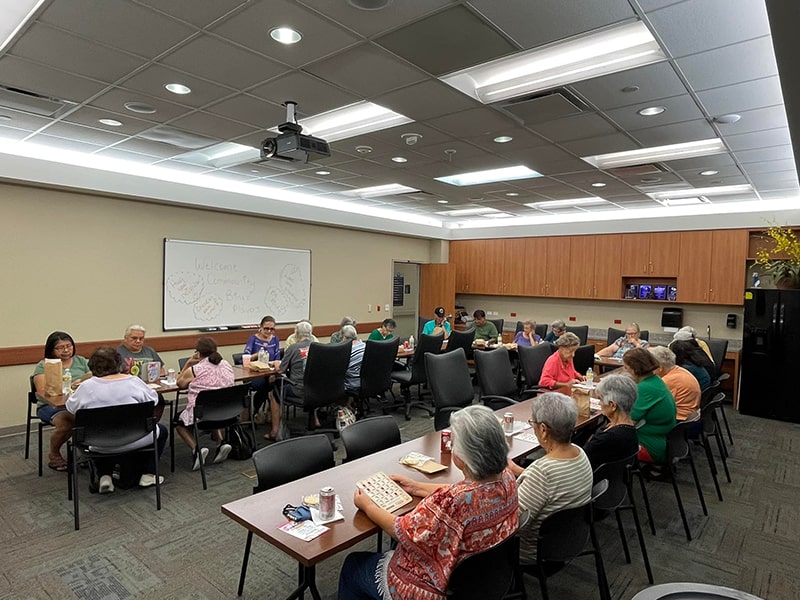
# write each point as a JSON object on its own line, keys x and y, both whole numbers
{"x": 338, "y": 336}
{"x": 560, "y": 479}
{"x": 617, "y": 440}
{"x": 557, "y": 329}
{"x": 451, "y": 522}
{"x": 559, "y": 372}
{"x": 681, "y": 383}
{"x": 293, "y": 366}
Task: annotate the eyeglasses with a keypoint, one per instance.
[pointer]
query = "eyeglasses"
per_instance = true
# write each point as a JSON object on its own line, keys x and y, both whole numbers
{"x": 268, "y": 328}
{"x": 62, "y": 348}
{"x": 531, "y": 422}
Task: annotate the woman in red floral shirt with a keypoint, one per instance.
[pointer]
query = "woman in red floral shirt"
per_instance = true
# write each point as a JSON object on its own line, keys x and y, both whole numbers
{"x": 450, "y": 523}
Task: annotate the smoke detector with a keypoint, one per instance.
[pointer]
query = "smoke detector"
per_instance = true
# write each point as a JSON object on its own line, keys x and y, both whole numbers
{"x": 411, "y": 138}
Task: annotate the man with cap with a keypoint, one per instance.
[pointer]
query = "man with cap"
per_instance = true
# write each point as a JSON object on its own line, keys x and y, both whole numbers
{"x": 438, "y": 324}
{"x": 689, "y": 333}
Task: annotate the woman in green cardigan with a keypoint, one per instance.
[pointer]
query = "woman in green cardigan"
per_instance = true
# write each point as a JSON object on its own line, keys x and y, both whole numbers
{"x": 654, "y": 405}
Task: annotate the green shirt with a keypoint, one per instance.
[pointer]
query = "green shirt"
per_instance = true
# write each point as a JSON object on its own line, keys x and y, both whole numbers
{"x": 656, "y": 406}
{"x": 487, "y": 331}
{"x": 376, "y": 335}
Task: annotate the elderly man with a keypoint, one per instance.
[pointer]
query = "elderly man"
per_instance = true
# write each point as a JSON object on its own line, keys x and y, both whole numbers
{"x": 437, "y": 325}
{"x": 681, "y": 383}
{"x": 484, "y": 330}
{"x": 135, "y": 355}
{"x": 557, "y": 329}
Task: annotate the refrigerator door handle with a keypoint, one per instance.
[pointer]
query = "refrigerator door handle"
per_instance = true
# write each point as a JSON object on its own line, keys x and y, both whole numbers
{"x": 781, "y": 319}
{"x": 774, "y": 315}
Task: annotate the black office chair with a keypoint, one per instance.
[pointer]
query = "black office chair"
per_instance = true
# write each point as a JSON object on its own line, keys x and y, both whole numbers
{"x": 619, "y": 497}
{"x": 496, "y": 378}
{"x": 486, "y": 575}
{"x": 421, "y": 324}
{"x": 32, "y": 404}
{"x": 718, "y": 349}
{"x": 450, "y": 384}
{"x": 461, "y": 339}
{"x": 367, "y": 436}
{"x": 281, "y": 463}
{"x": 109, "y": 427}
{"x": 584, "y": 358}
{"x": 531, "y": 361}
{"x": 711, "y": 429}
{"x": 541, "y": 330}
{"x": 582, "y": 331}
{"x": 217, "y": 409}
{"x": 376, "y": 373}
{"x": 498, "y": 323}
{"x": 415, "y": 374}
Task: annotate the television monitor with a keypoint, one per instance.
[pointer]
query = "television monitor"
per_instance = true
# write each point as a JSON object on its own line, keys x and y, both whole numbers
{"x": 632, "y": 291}
{"x": 672, "y": 293}
{"x": 645, "y": 292}
{"x": 660, "y": 292}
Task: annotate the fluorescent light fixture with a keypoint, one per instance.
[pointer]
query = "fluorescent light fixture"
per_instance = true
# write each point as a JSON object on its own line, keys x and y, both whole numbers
{"x": 592, "y": 200}
{"x": 376, "y": 191}
{"x": 656, "y": 154}
{"x": 490, "y": 176}
{"x": 350, "y": 121}
{"x": 466, "y": 212}
{"x": 684, "y": 201}
{"x": 13, "y": 18}
{"x": 720, "y": 190}
{"x": 608, "y": 51}
{"x": 220, "y": 156}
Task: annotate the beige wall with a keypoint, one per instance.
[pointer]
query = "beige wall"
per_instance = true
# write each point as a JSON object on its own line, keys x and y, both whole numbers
{"x": 91, "y": 265}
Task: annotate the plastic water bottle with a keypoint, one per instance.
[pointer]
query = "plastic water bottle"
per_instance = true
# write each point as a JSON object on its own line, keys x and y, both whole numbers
{"x": 411, "y": 342}
{"x": 66, "y": 382}
{"x": 589, "y": 376}
{"x": 262, "y": 355}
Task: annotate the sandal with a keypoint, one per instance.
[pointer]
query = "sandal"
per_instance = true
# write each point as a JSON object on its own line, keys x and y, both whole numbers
{"x": 270, "y": 438}
{"x": 58, "y": 465}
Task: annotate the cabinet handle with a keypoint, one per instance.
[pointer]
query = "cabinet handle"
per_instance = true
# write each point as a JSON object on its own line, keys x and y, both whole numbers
{"x": 711, "y": 294}
{"x": 705, "y": 295}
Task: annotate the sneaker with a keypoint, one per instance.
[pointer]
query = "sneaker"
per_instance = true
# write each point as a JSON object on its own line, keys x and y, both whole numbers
{"x": 106, "y": 484}
{"x": 222, "y": 453}
{"x": 149, "y": 479}
{"x": 201, "y": 456}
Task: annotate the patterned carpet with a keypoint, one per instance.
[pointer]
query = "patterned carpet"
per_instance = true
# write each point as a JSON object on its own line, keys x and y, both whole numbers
{"x": 189, "y": 550}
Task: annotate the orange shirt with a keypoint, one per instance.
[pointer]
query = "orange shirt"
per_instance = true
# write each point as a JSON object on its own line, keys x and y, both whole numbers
{"x": 685, "y": 390}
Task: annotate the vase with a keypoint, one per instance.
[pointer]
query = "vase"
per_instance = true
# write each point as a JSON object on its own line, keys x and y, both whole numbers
{"x": 787, "y": 283}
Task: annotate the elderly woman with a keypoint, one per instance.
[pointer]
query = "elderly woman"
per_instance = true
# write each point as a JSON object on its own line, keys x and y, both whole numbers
{"x": 557, "y": 329}
{"x": 617, "y": 440}
{"x": 627, "y": 342}
{"x": 527, "y": 337}
{"x": 109, "y": 387}
{"x": 560, "y": 479}
{"x": 451, "y": 522}
{"x": 559, "y": 371}
{"x": 655, "y": 406}
{"x": 293, "y": 366}
{"x": 264, "y": 339}
{"x": 50, "y": 409}
{"x": 681, "y": 383}
{"x": 205, "y": 370}
{"x": 691, "y": 357}
{"x": 690, "y": 333}
{"x": 338, "y": 336}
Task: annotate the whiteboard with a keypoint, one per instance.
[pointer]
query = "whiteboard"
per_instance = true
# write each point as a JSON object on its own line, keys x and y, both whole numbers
{"x": 227, "y": 285}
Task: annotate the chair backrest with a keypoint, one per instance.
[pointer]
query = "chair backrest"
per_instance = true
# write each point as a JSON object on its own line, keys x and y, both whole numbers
{"x": 708, "y": 413}
{"x": 718, "y": 349}
{"x": 461, "y": 339}
{"x": 31, "y": 392}
{"x": 617, "y": 474}
{"x": 486, "y": 575}
{"x": 449, "y": 379}
{"x": 519, "y": 327}
{"x": 323, "y": 378}
{"x": 421, "y": 324}
{"x": 376, "y": 366}
{"x": 541, "y": 330}
{"x": 494, "y": 371}
{"x": 498, "y": 323}
{"x": 427, "y": 344}
{"x": 222, "y": 404}
{"x": 113, "y": 426}
{"x": 292, "y": 459}
{"x": 369, "y": 435}
{"x": 182, "y": 362}
{"x": 678, "y": 442}
{"x": 237, "y": 358}
{"x": 532, "y": 359}
{"x": 582, "y": 331}
{"x": 563, "y": 535}
{"x": 613, "y": 335}
{"x": 584, "y": 358}
{"x": 708, "y": 394}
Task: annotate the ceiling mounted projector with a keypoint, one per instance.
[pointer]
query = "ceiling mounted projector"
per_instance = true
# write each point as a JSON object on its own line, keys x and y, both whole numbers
{"x": 290, "y": 144}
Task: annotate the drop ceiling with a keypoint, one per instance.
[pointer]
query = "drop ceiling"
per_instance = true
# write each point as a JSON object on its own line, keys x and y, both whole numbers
{"x": 96, "y": 56}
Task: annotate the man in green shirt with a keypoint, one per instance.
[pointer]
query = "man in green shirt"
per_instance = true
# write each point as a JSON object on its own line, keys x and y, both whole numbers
{"x": 484, "y": 330}
{"x": 384, "y": 332}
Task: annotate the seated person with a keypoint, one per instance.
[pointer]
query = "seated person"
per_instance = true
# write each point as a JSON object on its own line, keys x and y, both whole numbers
{"x": 293, "y": 368}
{"x": 352, "y": 378}
{"x": 560, "y": 479}
{"x": 616, "y": 440}
{"x": 265, "y": 339}
{"x": 437, "y": 325}
{"x": 681, "y": 383}
{"x": 135, "y": 355}
{"x": 205, "y": 370}
{"x": 484, "y": 330}
{"x": 384, "y": 332}
{"x": 559, "y": 372}
{"x": 689, "y": 356}
{"x": 109, "y": 387}
{"x": 292, "y": 339}
{"x": 689, "y": 333}
{"x": 338, "y": 336}
{"x": 654, "y": 404}
{"x": 627, "y": 342}
{"x": 451, "y": 522}
{"x": 527, "y": 337}
{"x": 557, "y": 329}
{"x": 50, "y": 407}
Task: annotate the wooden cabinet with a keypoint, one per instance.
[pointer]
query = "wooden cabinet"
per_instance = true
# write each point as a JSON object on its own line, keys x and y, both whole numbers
{"x": 712, "y": 266}
{"x": 607, "y": 267}
{"x": 557, "y": 278}
{"x": 513, "y": 272}
{"x": 582, "y": 264}
{"x": 468, "y": 257}
{"x": 535, "y": 278}
{"x": 695, "y": 266}
{"x": 650, "y": 254}
{"x": 635, "y": 254}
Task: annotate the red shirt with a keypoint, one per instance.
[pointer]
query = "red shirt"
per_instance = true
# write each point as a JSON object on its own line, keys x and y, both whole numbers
{"x": 555, "y": 371}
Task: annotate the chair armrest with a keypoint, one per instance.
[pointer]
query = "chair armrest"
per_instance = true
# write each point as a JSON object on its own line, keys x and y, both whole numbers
{"x": 510, "y": 400}
{"x": 723, "y": 376}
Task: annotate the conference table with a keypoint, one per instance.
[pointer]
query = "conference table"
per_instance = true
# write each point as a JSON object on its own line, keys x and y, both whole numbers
{"x": 262, "y": 513}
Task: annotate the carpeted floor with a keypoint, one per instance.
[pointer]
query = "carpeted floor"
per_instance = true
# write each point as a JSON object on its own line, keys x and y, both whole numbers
{"x": 189, "y": 550}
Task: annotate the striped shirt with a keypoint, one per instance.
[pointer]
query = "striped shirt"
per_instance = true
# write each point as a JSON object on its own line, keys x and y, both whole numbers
{"x": 352, "y": 378}
{"x": 547, "y": 486}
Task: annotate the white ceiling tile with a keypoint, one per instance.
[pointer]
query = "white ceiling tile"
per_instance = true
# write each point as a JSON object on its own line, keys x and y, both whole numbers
{"x": 152, "y": 80}
{"x": 678, "y": 109}
{"x": 10, "y": 133}
{"x": 116, "y": 98}
{"x": 753, "y": 59}
{"x": 313, "y": 96}
{"x": 150, "y": 148}
{"x": 675, "y": 133}
{"x": 742, "y": 96}
{"x": 769, "y": 117}
{"x": 426, "y": 100}
{"x": 64, "y": 144}
{"x": 248, "y": 109}
{"x": 615, "y": 142}
{"x": 90, "y": 117}
{"x": 762, "y": 154}
{"x": 759, "y": 139}
{"x": 26, "y": 75}
{"x": 200, "y": 14}
{"x": 654, "y": 81}
{"x": 471, "y": 123}
{"x": 371, "y": 22}
{"x": 123, "y": 155}
{"x": 212, "y": 126}
{"x": 770, "y": 166}
{"x": 574, "y": 128}
{"x": 22, "y": 120}
{"x": 86, "y": 134}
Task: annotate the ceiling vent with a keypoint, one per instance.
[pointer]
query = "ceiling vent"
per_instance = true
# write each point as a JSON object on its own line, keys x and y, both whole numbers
{"x": 30, "y": 102}
{"x": 637, "y": 170}
{"x": 176, "y": 137}
{"x": 545, "y": 106}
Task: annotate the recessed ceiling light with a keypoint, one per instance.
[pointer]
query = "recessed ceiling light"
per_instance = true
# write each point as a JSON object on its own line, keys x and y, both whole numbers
{"x": 512, "y": 194}
{"x": 708, "y": 173}
{"x": 598, "y": 184}
{"x": 110, "y": 122}
{"x": 503, "y": 139}
{"x": 656, "y": 153}
{"x": 376, "y": 191}
{"x": 727, "y": 119}
{"x": 399, "y": 159}
{"x": 323, "y": 172}
{"x": 369, "y": 4}
{"x": 363, "y": 149}
{"x": 140, "y": 107}
{"x": 651, "y": 111}
{"x": 178, "y": 88}
{"x": 285, "y": 35}
{"x": 490, "y": 176}
{"x": 629, "y": 89}
{"x": 5, "y": 118}
{"x": 571, "y": 202}
{"x": 255, "y": 171}
{"x": 442, "y": 201}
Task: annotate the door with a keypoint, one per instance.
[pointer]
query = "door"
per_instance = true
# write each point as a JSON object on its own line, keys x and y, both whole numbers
{"x": 437, "y": 287}
{"x": 664, "y": 254}
{"x": 635, "y": 254}
{"x": 695, "y": 266}
{"x": 728, "y": 266}
{"x": 759, "y": 385}
{"x": 582, "y": 266}
{"x": 405, "y": 298}
{"x": 535, "y": 277}
{"x": 607, "y": 276}
{"x": 786, "y": 355}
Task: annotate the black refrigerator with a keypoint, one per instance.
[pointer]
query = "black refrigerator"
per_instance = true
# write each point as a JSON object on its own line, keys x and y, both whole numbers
{"x": 771, "y": 355}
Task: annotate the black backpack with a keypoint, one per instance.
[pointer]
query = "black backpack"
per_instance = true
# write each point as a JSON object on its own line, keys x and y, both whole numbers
{"x": 241, "y": 441}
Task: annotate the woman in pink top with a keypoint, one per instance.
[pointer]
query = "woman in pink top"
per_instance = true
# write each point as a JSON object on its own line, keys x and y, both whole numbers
{"x": 559, "y": 372}
{"x": 205, "y": 370}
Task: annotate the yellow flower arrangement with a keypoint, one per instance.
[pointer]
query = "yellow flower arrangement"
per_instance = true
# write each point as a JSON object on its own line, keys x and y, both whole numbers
{"x": 785, "y": 270}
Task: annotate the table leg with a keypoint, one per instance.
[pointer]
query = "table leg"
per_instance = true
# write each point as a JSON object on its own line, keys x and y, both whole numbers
{"x": 308, "y": 581}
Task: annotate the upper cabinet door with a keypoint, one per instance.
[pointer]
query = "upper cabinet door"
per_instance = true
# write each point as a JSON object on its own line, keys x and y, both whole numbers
{"x": 514, "y": 267}
{"x": 490, "y": 276}
{"x": 458, "y": 257}
{"x": 664, "y": 254}
{"x": 607, "y": 267}
{"x": 535, "y": 277}
{"x": 728, "y": 266}
{"x": 581, "y": 266}
{"x": 635, "y": 259}
{"x": 695, "y": 265}
{"x": 558, "y": 267}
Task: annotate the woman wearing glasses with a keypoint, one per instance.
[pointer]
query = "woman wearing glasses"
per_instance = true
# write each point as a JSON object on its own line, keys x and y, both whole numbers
{"x": 50, "y": 409}
{"x": 264, "y": 339}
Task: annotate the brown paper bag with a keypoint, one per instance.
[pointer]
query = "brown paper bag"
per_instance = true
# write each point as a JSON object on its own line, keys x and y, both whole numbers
{"x": 52, "y": 377}
{"x": 581, "y": 398}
